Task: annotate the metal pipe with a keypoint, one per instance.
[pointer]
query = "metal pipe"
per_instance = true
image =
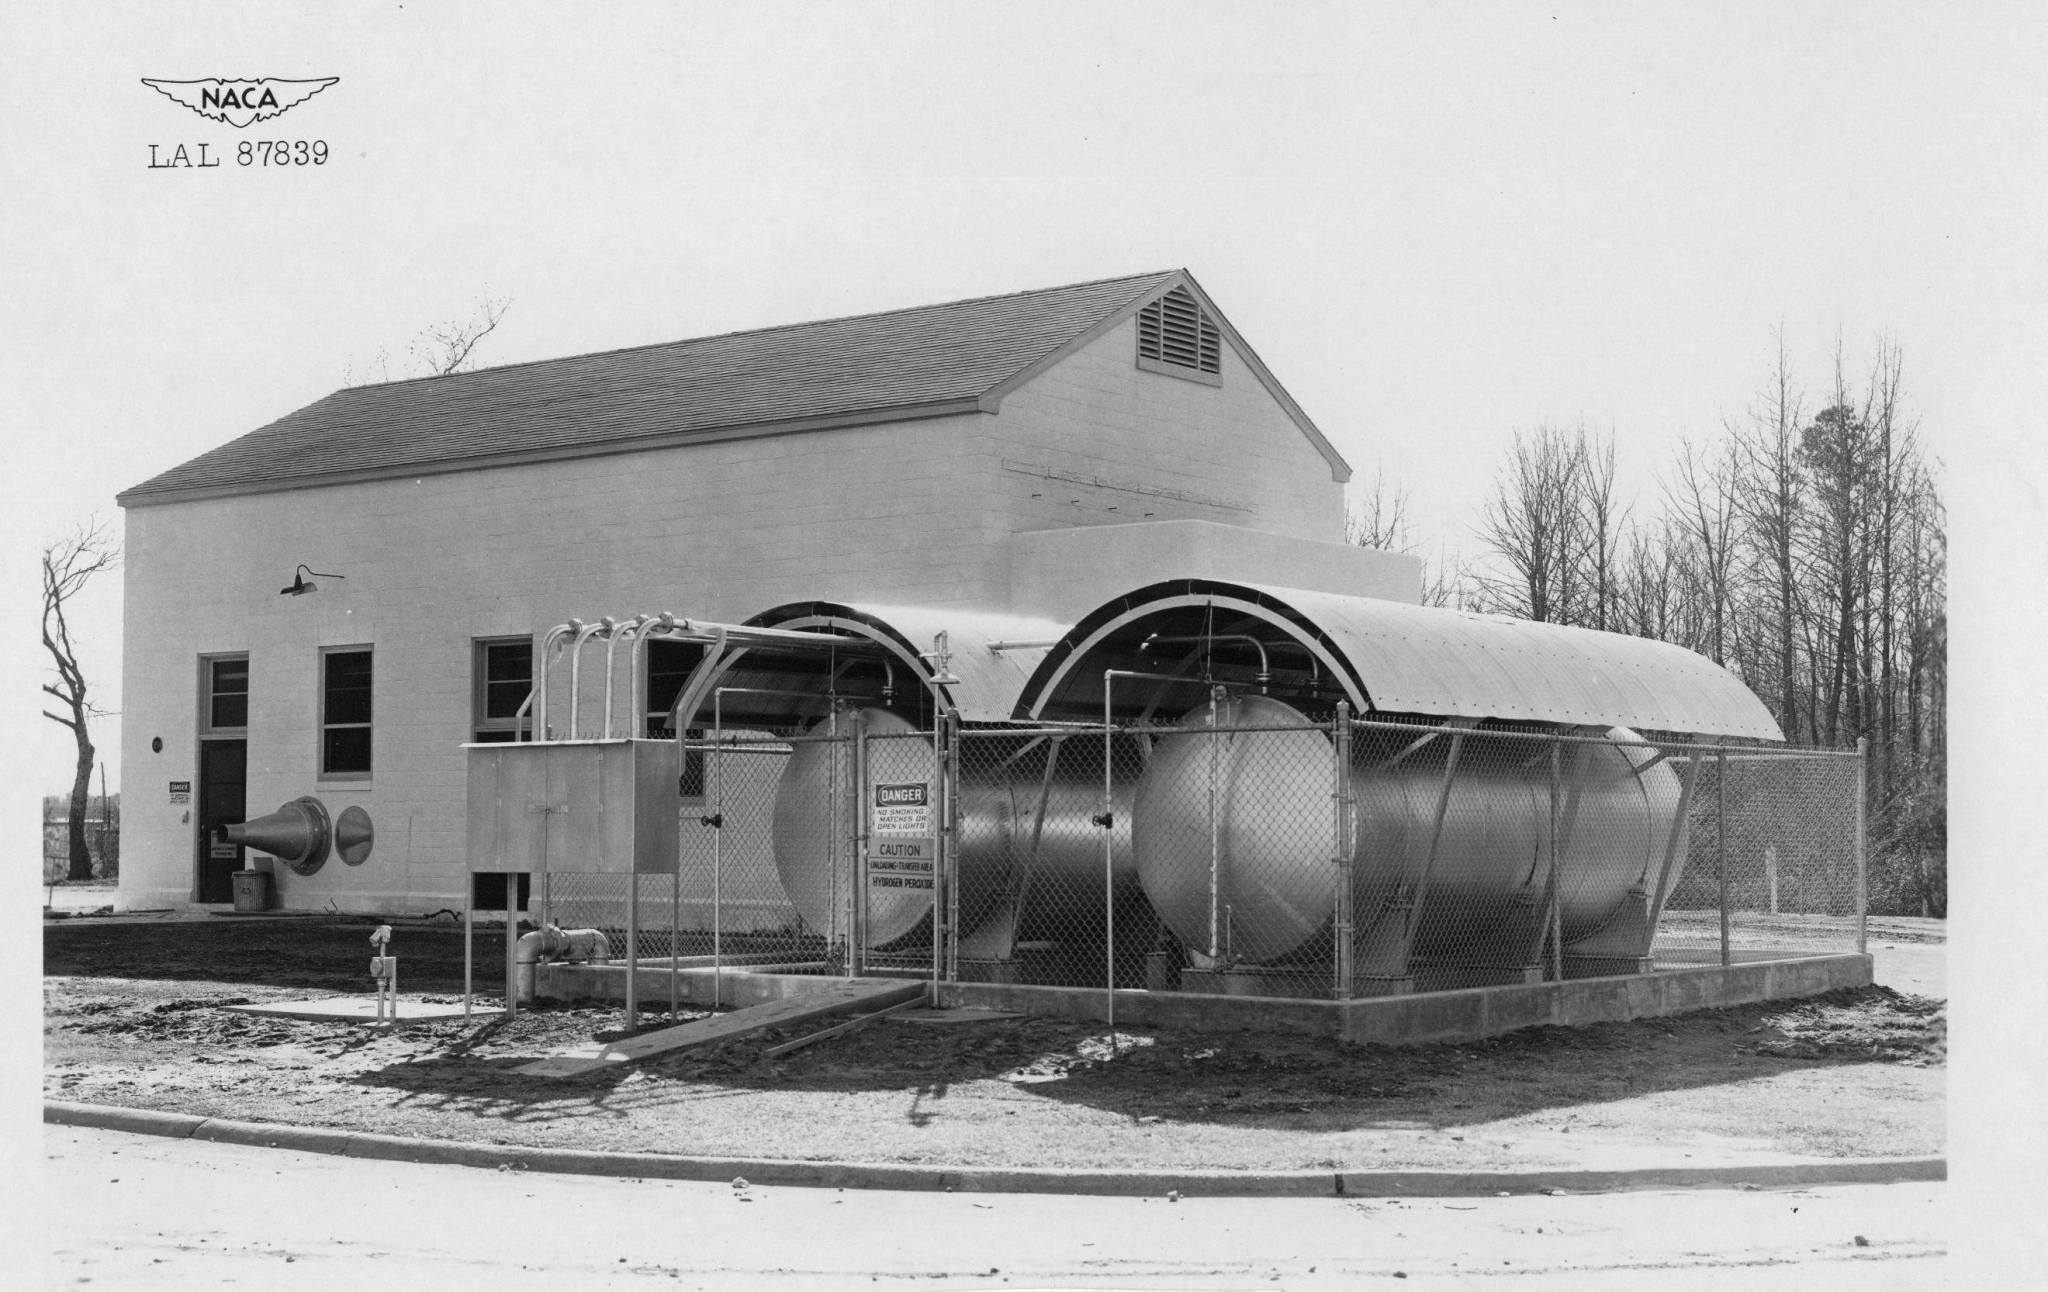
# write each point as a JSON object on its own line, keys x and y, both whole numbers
{"x": 997, "y": 648}
{"x": 519, "y": 725}
{"x": 1108, "y": 823}
{"x": 1552, "y": 930}
{"x": 856, "y": 957}
{"x": 690, "y": 697}
{"x": 1340, "y": 733}
{"x": 632, "y": 950}
{"x": 551, "y": 641}
{"x": 548, "y": 942}
{"x": 1216, "y": 695}
{"x": 511, "y": 933}
{"x": 717, "y": 846}
{"x": 636, "y": 663}
{"x": 1721, "y": 845}
{"x": 1862, "y": 846}
{"x": 951, "y": 831}
{"x": 612, "y": 628}
{"x": 468, "y": 944}
{"x": 1265, "y": 665}
{"x": 583, "y": 634}
{"x": 626, "y": 631}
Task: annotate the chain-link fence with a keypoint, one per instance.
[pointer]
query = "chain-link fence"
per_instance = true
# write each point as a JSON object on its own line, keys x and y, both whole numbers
{"x": 1244, "y": 849}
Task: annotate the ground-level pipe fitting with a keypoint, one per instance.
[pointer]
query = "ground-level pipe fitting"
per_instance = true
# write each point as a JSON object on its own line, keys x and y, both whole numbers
{"x": 550, "y": 944}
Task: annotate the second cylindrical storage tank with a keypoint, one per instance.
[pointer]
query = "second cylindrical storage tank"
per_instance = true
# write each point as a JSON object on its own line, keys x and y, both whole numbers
{"x": 1235, "y": 834}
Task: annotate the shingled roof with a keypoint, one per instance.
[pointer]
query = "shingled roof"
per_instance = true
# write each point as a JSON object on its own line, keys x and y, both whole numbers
{"x": 928, "y": 361}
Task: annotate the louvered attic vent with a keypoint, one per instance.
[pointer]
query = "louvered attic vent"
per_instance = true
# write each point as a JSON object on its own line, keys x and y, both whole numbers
{"x": 1176, "y": 337}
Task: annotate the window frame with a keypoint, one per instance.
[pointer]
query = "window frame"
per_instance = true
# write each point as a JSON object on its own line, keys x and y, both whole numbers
{"x": 484, "y": 729}
{"x": 323, "y": 773}
{"x": 207, "y": 726}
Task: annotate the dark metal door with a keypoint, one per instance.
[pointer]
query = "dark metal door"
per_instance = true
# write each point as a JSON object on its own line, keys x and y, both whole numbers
{"x": 223, "y": 800}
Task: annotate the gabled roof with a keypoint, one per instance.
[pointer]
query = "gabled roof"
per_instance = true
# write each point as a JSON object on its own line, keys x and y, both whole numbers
{"x": 931, "y": 361}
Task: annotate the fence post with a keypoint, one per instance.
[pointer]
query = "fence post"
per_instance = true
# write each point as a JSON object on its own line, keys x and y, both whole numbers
{"x": 857, "y": 924}
{"x": 1108, "y": 823}
{"x": 1721, "y": 843}
{"x": 950, "y": 824}
{"x": 632, "y": 950}
{"x": 1862, "y": 846}
{"x": 1552, "y": 924}
{"x": 1343, "y": 858}
{"x": 1216, "y": 949}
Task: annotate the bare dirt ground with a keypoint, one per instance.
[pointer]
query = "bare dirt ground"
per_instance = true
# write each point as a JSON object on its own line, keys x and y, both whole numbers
{"x": 132, "y": 1018}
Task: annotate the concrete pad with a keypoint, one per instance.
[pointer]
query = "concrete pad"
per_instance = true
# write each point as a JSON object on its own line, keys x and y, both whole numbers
{"x": 361, "y": 1009}
{"x": 1463, "y": 1014}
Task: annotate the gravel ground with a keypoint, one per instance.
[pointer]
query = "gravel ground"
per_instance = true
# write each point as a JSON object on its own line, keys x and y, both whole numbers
{"x": 132, "y": 1017}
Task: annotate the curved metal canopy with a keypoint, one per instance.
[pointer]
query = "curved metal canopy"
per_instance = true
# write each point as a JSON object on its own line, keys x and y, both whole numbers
{"x": 986, "y": 681}
{"x": 1398, "y": 658}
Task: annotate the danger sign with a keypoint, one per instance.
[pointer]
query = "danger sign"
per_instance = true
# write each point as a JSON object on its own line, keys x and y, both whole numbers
{"x": 903, "y": 809}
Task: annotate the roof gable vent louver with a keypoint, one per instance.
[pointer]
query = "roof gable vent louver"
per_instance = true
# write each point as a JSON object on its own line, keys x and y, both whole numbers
{"x": 1176, "y": 336}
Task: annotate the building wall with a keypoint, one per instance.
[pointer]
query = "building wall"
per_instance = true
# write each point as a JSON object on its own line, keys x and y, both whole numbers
{"x": 915, "y": 512}
{"x": 1157, "y": 447}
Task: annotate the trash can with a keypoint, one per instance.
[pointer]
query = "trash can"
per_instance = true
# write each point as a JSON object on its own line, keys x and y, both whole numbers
{"x": 252, "y": 890}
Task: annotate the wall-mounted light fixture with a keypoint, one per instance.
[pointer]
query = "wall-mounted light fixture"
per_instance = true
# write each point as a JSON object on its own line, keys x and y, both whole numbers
{"x": 301, "y": 585}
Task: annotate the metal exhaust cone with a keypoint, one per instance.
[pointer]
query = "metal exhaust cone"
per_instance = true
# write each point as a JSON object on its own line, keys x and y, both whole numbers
{"x": 353, "y": 836}
{"x": 296, "y": 834}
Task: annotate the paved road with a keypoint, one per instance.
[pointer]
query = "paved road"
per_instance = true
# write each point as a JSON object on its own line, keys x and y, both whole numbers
{"x": 128, "y": 1211}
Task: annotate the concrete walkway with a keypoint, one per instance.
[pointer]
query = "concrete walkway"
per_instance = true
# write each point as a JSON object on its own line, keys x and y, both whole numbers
{"x": 132, "y": 1212}
{"x": 959, "y": 1179}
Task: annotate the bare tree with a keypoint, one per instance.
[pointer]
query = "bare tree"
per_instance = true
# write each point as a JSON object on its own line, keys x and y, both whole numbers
{"x": 1600, "y": 525}
{"x": 69, "y": 563}
{"x": 1701, "y": 499}
{"x": 1378, "y": 518}
{"x": 1533, "y": 527}
{"x": 1771, "y": 495}
{"x": 441, "y": 350}
{"x": 445, "y": 349}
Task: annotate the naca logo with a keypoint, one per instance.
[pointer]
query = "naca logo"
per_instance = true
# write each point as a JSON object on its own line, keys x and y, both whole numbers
{"x": 240, "y": 103}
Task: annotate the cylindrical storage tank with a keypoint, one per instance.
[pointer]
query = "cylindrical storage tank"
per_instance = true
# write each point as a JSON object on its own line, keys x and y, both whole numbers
{"x": 1236, "y": 833}
{"x": 1055, "y": 864}
{"x": 1487, "y": 890}
{"x": 814, "y": 825}
{"x": 1032, "y": 826}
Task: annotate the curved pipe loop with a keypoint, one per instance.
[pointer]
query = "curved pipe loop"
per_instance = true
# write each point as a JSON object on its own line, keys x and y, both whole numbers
{"x": 549, "y": 644}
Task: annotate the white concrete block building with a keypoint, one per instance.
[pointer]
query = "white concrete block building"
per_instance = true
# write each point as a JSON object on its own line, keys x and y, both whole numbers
{"x": 1033, "y": 454}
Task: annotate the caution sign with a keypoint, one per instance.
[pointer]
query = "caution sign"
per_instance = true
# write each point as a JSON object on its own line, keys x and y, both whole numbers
{"x": 900, "y": 875}
{"x": 904, "y": 809}
{"x": 901, "y": 863}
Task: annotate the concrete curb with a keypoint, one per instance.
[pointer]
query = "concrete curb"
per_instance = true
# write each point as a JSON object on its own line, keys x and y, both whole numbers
{"x": 988, "y": 1179}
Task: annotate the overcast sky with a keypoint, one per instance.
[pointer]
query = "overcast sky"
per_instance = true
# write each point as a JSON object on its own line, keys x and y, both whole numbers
{"x": 1437, "y": 226}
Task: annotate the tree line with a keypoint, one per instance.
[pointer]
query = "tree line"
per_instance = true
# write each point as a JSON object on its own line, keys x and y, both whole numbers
{"x": 1803, "y": 546}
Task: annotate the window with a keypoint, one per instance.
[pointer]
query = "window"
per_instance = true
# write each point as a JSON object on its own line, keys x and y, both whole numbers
{"x": 224, "y": 694}
{"x": 1177, "y": 337}
{"x": 669, "y": 665}
{"x": 345, "y": 713}
{"x": 503, "y": 669}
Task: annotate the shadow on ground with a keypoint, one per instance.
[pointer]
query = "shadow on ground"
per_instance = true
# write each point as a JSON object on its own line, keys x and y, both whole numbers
{"x": 1215, "y": 1079}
